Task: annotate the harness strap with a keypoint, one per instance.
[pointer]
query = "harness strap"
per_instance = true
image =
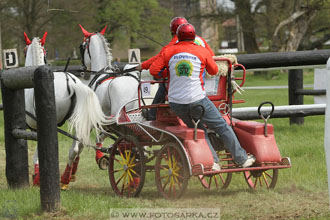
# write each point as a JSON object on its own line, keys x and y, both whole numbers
{"x": 73, "y": 99}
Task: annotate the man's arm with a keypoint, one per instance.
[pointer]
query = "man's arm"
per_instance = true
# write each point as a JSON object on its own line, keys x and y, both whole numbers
{"x": 157, "y": 68}
{"x": 146, "y": 64}
{"x": 210, "y": 65}
{"x": 208, "y": 47}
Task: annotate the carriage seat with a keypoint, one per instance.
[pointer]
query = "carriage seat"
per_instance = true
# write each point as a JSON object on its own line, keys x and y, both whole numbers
{"x": 253, "y": 127}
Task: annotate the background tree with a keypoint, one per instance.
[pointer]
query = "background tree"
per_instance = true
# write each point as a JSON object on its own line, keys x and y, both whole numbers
{"x": 246, "y": 16}
{"x": 22, "y": 15}
{"x": 134, "y": 20}
{"x": 273, "y": 24}
{"x": 294, "y": 27}
{"x": 282, "y": 25}
{"x": 319, "y": 29}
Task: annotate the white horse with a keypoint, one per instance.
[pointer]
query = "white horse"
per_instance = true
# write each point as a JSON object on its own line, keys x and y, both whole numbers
{"x": 74, "y": 101}
{"x": 112, "y": 92}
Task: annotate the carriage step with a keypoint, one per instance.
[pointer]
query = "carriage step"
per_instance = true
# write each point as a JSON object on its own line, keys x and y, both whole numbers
{"x": 286, "y": 161}
{"x": 197, "y": 169}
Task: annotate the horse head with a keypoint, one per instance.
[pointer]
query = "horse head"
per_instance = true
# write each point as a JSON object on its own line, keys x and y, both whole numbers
{"x": 95, "y": 50}
{"x": 35, "y": 53}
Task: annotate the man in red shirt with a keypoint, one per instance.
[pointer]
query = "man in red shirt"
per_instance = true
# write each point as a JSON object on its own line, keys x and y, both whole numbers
{"x": 186, "y": 62}
{"x": 175, "y": 23}
{"x": 160, "y": 95}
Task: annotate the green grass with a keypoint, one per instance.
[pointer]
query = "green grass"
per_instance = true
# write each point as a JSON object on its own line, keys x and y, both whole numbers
{"x": 301, "y": 191}
{"x": 275, "y": 78}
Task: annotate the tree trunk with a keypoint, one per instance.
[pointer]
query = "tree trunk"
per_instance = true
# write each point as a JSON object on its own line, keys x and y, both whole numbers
{"x": 297, "y": 32}
{"x": 296, "y": 27}
{"x": 243, "y": 9}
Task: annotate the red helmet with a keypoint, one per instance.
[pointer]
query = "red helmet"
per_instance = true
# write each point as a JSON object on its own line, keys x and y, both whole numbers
{"x": 175, "y": 23}
{"x": 186, "y": 32}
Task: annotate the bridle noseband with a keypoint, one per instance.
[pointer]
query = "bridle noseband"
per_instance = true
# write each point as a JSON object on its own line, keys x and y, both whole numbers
{"x": 83, "y": 46}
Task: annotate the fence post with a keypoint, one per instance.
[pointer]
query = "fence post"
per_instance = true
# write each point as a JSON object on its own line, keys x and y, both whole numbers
{"x": 296, "y": 83}
{"x": 47, "y": 139}
{"x": 327, "y": 128}
{"x": 17, "y": 167}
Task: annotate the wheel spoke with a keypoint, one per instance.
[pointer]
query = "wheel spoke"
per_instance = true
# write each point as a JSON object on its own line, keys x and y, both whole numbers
{"x": 255, "y": 183}
{"x": 216, "y": 181}
{"x": 162, "y": 177}
{"x": 167, "y": 181}
{"x": 170, "y": 187}
{"x": 122, "y": 157}
{"x": 210, "y": 181}
{"x": 265, "y": 179}
{"x": 133, "y": 171}
{"x": 174, "y": 192}
{"x": 114, "y": 157}
{"x": 165, "y": 167}
{"x": 120, "y": 178}
{"x": 249, "y": 176}
{"x": 115, "y": 171}
{"x": 130, "y": 177}
{"x": 169, "y": 158}
{"x": 131, "y": 161}
{"x": 128, "y": 156}
{"x": 222, "y": 179}
{"x": 270, "y": 176}
{"x": 178, "y": 182}
{"x": 123, "y": 185}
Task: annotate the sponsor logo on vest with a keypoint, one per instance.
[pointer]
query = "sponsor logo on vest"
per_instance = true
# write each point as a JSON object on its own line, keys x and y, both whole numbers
{"x": 184, "y": 68}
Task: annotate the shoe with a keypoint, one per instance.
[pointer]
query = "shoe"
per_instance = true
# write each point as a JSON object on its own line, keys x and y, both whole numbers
{"x": 216, "y": 167}
{"x": 250, "y": 160}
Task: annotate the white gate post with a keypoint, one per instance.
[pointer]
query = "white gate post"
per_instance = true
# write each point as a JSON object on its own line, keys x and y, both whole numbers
{"x": 327, "y": 127}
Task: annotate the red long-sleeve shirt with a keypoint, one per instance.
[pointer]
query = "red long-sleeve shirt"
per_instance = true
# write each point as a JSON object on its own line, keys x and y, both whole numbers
{"x": 186, "y": 62}
{"x": 198, "y": 40}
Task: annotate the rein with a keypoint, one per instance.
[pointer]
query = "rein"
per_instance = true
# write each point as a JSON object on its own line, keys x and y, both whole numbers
{"x": 104, "y": 150}
{"x": 97, "y": 80}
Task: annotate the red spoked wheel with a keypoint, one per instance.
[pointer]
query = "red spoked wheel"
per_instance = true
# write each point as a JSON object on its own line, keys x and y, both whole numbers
{"x": 220, "y": 180}
{"x": 261, "y": 178}
{"x": 127, "y": 167}
{"x": 171, "y": 171}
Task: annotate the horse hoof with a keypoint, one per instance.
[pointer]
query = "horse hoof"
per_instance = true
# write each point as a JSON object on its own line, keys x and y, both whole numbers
{"x": 64, "y": 186}
{"x": 73, "y": 178}
{"x": 103, "y": 162}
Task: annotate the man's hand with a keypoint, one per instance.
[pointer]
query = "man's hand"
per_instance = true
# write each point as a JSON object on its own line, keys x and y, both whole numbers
{"x": 139, "y": 67}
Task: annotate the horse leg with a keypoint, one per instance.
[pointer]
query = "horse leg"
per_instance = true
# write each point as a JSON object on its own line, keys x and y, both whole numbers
{"x": 74, "y": 169}
{"x": 75, "y": 163}
{"x": 73, "y": 154}
{"x": 36, "y": 175}
{"x": 101, "y": 159}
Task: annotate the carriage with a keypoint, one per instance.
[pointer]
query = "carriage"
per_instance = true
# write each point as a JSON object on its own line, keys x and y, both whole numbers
{"x": 165, "y": 145}
{"x": 176, "y": 152}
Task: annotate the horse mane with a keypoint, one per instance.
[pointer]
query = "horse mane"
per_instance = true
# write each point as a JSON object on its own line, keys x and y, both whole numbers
{"x": 107, "y": 49}
{"x": 37, "y": 52}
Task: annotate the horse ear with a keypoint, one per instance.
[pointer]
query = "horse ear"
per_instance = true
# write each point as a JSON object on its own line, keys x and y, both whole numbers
{"x": 43, "y": 39}
{"x": 103, "y": 30}
{"x": 86, "y": 33}
{"x": 27, "y": 40}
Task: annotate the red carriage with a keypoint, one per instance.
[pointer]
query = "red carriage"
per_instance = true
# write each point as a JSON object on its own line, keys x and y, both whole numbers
{"x": 175, "y": 152}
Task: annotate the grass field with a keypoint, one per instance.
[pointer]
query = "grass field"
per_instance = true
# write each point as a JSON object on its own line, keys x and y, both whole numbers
{"x": 301, "y": 191}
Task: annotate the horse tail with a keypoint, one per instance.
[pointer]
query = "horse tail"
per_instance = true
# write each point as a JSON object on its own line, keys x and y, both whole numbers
{"x": 87, "y": 113}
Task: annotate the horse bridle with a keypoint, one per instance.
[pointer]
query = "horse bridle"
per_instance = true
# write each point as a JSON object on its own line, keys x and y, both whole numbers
{"x": 83, "y": 46}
